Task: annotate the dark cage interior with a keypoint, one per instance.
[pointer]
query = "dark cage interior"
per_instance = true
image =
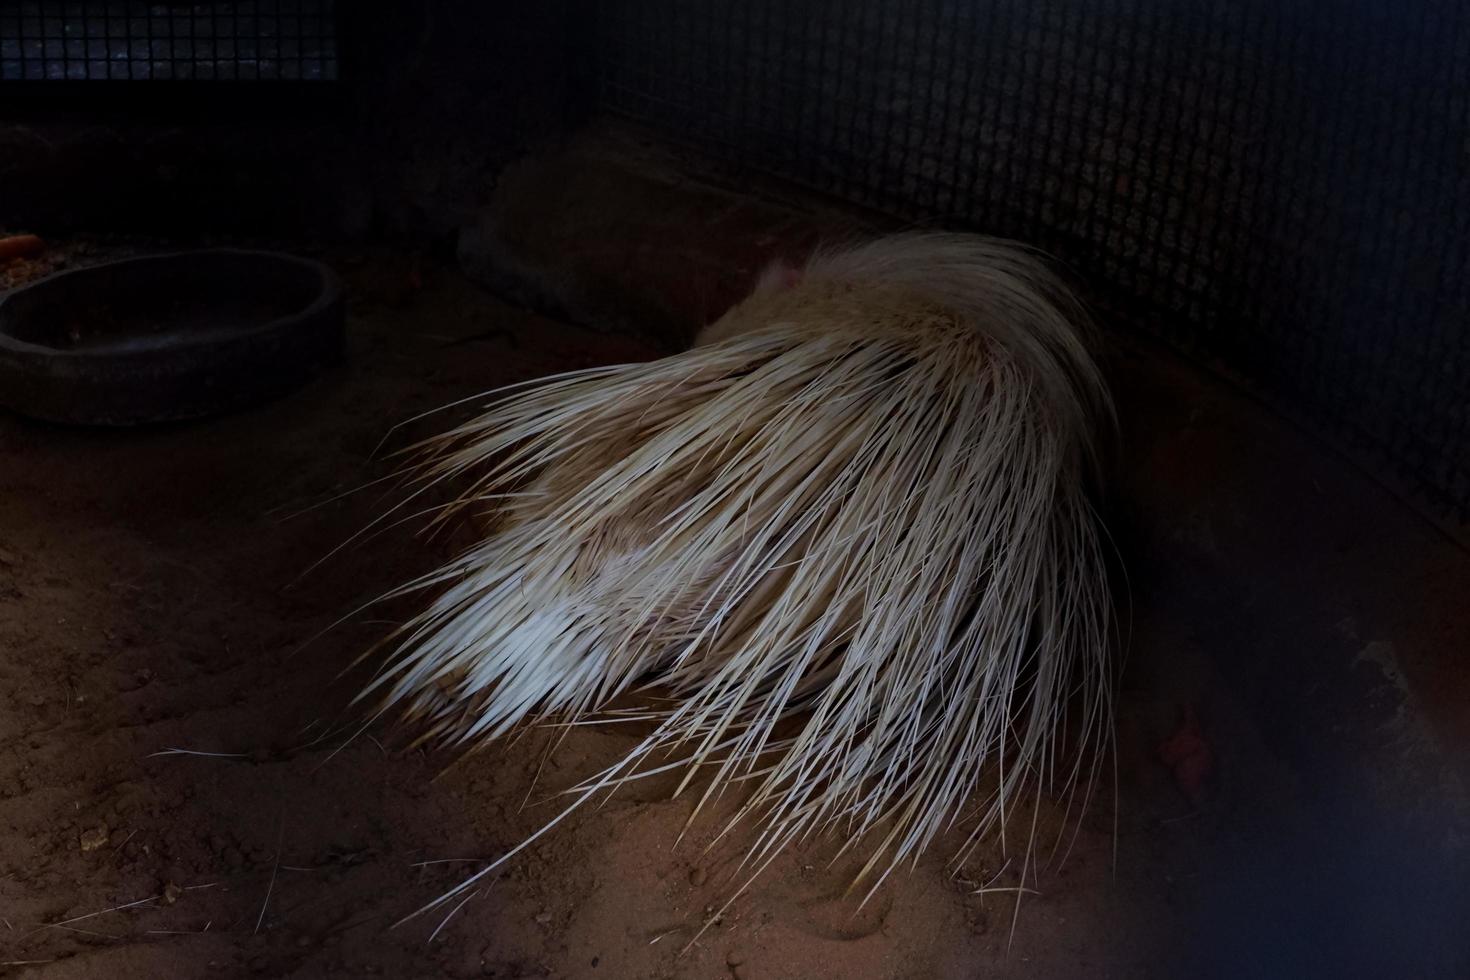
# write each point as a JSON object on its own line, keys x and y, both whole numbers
{"x": 338, "y": 217}
{"x": 1281, "y": 190}
{"x": 133, "y": 40}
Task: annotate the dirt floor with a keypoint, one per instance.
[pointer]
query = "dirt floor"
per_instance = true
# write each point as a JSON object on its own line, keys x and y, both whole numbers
{"x": 179, "y": 796}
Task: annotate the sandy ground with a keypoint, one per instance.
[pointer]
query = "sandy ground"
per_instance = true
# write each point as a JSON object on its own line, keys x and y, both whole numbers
{"x": 145, "y": 607}
{"x": 151, "y": 600}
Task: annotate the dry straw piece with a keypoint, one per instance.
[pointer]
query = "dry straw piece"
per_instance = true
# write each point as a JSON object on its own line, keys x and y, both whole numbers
{"x": 847, "y": 537}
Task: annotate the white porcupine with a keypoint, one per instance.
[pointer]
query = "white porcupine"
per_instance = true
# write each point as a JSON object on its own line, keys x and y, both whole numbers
{"x": 858, "y": 506}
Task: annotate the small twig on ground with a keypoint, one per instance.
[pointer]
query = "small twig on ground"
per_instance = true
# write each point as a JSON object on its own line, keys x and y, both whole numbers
{"x": 180, "y": 932}
{"x": 91, "y": 915}
{"x": 87, "y": 932}
{"x": 280, "y": 841}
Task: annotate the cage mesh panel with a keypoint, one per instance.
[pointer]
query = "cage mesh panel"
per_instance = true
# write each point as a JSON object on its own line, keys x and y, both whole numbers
{"x": 1281, "y": 190}
{"x": 136, "y": 40}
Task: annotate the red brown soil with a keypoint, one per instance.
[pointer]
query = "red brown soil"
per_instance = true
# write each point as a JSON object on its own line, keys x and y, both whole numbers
{"x": 149, "y": 601}
{"x": 146, "y": 605}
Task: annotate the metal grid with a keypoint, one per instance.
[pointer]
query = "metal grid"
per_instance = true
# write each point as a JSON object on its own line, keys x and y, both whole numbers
{"x": 1281, "y": 190}
{"x": 136, "y": 40}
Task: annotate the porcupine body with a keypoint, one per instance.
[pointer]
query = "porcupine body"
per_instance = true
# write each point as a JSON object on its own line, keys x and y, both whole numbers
{"x": 856, "y": 509}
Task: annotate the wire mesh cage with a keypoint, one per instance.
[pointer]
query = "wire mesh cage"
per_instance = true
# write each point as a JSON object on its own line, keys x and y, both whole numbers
{"x": 1279, "y": 190}
{"x": 135, "y": 40}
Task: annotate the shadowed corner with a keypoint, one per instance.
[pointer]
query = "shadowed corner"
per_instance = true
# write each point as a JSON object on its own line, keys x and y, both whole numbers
{"x": 1347, "y": 891}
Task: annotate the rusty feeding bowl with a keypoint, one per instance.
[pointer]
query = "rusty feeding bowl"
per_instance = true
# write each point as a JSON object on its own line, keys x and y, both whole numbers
{"x": 167, "y": 337}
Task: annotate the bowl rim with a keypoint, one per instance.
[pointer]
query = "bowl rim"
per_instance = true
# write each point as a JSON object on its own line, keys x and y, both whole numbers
{"x": 329, "y": 292}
